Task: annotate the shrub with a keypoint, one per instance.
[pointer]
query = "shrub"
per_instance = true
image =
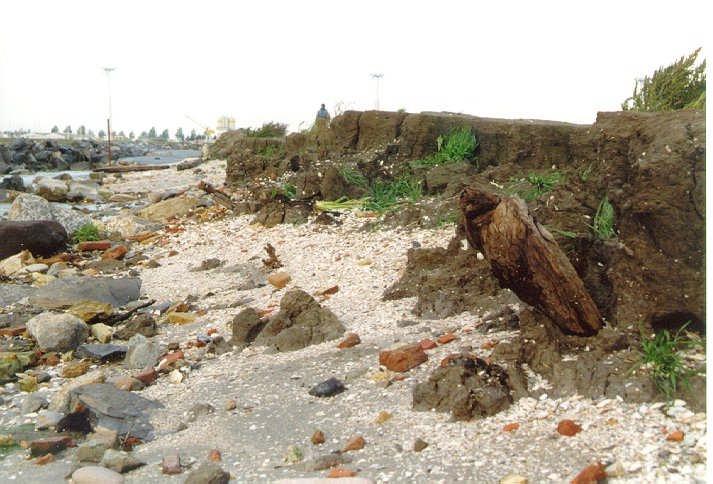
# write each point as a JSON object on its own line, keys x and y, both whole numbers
{"x": 460, "y": 144}
{"x": 271, "y": 129}
{"x": 603, "y": 225}
{"x": 384, "y": 196}
{"x": 681, "y": 85}
{"x": 536, "y": 185}
{"x": 353, "y": 177}
{"x": 85, "y": 233}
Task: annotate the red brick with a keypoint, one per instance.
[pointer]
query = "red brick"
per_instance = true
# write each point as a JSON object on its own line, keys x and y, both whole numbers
{"x": 403, "y": 358}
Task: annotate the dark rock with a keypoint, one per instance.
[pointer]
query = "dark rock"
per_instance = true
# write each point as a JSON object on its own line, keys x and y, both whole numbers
{"x": 467, "y": 386}
{"x": 71, "y": 290}
{"x": 120, "y": 461}
{"x": 142, "y": 353}
{"x": 142, "y": 323}
{"x": 208, "y": 473}
{"x": 300, "y": 322}
{"x": 12, "y": 293}
{"x": 33, "y": 403}
{"x": 419, "y": 445}
{"x": 101, "y": 352}
{"x": 246, "y": 325}
{"x": 323, "y": 462}
{"x": 13, "y": 182}
{"x": 42, "y": 238}
{"x": 208, "y": 264}
{"x": 327, "y": 388}
{"x": 49, "y": 445}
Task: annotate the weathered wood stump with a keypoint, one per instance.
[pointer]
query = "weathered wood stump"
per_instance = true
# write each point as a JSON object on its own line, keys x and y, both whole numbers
{"x": 526, "y": 259}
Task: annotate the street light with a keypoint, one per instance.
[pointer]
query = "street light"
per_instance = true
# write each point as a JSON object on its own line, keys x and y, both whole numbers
{"x": 108, "y": 71}
{"x": 378, "y": 76}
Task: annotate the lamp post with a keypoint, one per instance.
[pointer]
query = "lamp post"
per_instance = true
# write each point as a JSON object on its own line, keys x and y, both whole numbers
{"x": 378, "y": 76}
{"x": 108, "y": 71}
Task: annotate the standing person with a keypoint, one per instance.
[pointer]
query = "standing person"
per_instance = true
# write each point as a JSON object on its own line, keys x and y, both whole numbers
{"x": 323, "y": 114}
{"x": 321, "y": 131}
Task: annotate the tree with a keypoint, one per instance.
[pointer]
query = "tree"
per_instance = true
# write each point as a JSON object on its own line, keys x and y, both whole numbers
{"x": 131, "y": 135}
{"x": 67, "y": 130}
{"x": 192, "y": 137}
{"x": 121, "y": 134}
{"x": 143, "y": 135}
{"x": 152, "y": 132}
{"x": 164, "y": 135}
{"x": 102, "y": 134}
{"x": 179, "y": 134}
{"x": 55, "y": 129}
{"x": 90, "y": 133}
{"x": 680, "y": 85}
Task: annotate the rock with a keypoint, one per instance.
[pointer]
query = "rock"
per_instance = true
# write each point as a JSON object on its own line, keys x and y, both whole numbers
{"x": 323, "y": 462}
{"x": 279, "y": 279}
{"x": 142, "y": 353}
{"x": 324, "y": 480}
{"x": 590, "y": 474}
{"x": 403, "y": 358}
{"x": 96, "y": 475}
{"x": 172, "y": 207}
{"x": 128, "y": 225}
{"x": 60, "y": 401}
{"x": 467, "y": 386}
{"x": 199, "y": 410}
{"x": 208, "y": 264}
{"x": 47, "y": 419}
{"x": 36, "y": 268}
{"x": 13, "y": 182}
{"x": 42, "y": 238}
{"x": 511, "y": 427}
{"x": 300, "y": 322}
{"x": 102, "y": 332}
{"x": 675, "y": 436}
{"x": 208, "y": 473}
{"x": 83, "y": 191}
{"x": 49, "y": 445}
{"x": 32, "y": 403}
{"x": 143, "y": 324}
{"x": 446, "y": 338}
{"x": 147, "y": 376}
{"x": 90, "y": 451}
{"x": 246, "y": 325}
{"x": 419, "y": 445}
{"x": 231, "y": 405}
{"x": 45, "y": 459}
{"x": 75, "y": 368}
{"x": 51, "y": 189}
{"x": 214, "y": 455}
{"x": 16, "y": 263}
{"x": 350, "y": 339}
{"x": 355, "y": 443}
{"x": 72, "y": 290}
{"x": 92, "y": 245}
{"x": 57, "y": 332}
{"x": 120, "y": 461}
{"x": 340, "y": 472}
{"x": 327, "y": 388}
{"x": 513, "y": 479}
{"x": 115, "y": 253}
{"x": 249, "y": 276}
{"x": 101, "y": 352}
{"x": 15, "y": 362}
{"x": 317, "y": 437}
{"x": 27, "y": 207}
{"x": 181, "y": 318}
{"x": 427, "y": 344}
{"x": 383, "y": 417}
{"x": 175, "y": 376}
{"x": 171, "y": 464}
{"x": 568, "y": 428}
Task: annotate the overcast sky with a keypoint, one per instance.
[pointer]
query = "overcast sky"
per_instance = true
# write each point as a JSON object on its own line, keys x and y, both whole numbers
{"x": 267, "y": 60}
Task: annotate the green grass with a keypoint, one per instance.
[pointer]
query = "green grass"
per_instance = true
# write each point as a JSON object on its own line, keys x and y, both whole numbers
{"x": 287, "y": 190}
{"x": 353, "y": 177}
{"x": 460, "y": 144}
{"x": 563, "y": 233}
{"x": 534, "y": 185}
{"x": 342, "y": 204}
{"x": 269, "y": 151}
{"x": 267, "y": 130}
{"x": 585, "y": 173}
{"x": 384, "y": 196}
{"x": 85, "y": 233}
{"x": 662, "y": 354}
{"x": 603, "y": 225}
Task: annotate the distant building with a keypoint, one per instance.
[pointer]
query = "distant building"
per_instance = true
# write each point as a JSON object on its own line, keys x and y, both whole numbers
{"x": 224, "y": 124}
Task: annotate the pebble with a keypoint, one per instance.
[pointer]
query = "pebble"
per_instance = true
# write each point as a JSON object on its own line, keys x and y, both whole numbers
{"x": 513, "y": 479}
{"x": 96, "y": 475}
{"x": 327, "y": 388}
{"x": 568, "y": 428}
{"x": 355, "y": 443}
{"x": 419, "y": 444}
{"x": 317, "y": 437}
{"x": 279, "y": 279}
{"x": 171, "y": 464}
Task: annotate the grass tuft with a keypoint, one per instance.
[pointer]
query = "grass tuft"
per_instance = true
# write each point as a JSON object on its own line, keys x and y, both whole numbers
{"x": 603, "y": 226}
{"x": 534, "y": 185}
{"x": 85, "y": 233}
{"x": 383, "y": 196}
{"x": 353, "y": 177}
{"x": 460, "y": 144}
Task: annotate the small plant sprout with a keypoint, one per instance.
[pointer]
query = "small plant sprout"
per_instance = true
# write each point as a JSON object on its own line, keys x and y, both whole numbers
{"x": 85, "y": 233}
{"x": 603, "y": 225}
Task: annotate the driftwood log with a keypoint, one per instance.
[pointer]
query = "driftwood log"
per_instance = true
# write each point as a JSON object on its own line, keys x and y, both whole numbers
{"x": 525, "y": 258}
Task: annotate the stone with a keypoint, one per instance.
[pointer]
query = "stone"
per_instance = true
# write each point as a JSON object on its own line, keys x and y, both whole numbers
{"x": 93, "y": 245}
{"x": 47, "y": 419}
{"x": 514, "y": 479}
{"x": 13, "y": 293}
{"x": 101, "y": 352}
{"x": 317, "y": 438}
{"x": 51, "y": 189}
{"x": 16, "y": 263}
{"x": 127, "y": 383}
{"x": 323, "y": 462}
{"x": 96, "y": 475}
{"x": 142, "y": 353}
{"x": 446, "y": 338}
{"x": 45, "y": 459}
{"x": 57, "y": 332}
{"x": 591, "y": 474}
{"x": 166, "y": 209}
{"x": 115, "y": 253}
{"x": 403, "y": 358}
{"x": 199, "y": 410}
{"x": 171, "y": 464}
{"x": 120, "y": 461}
{"x": 568, "y": 428}
{"x": 75, "y": 368}
{"x": 246, "y": 325}
{"x": 327, "y": 388}
{"x": 511, "y": 427}
{"x": 427, "y": 344}
{"x": 350, "y": 339}
{"x": 27, "y": 207}
{"x": 60, "y": 401}
{"x": 102, "y": 332}
{"x": 300, "y": 322}
{"x": 175, "y": 317}
{"x": 675, "y": 436}
{"x": 383, "y": 417}
{"x": 467, "y": 386}
{"x": 175, "y": 376}
{"x": 90, "y": 451}
{"x": 128, "y": 225}
{"x": 42, "y": 238}
{"x": 32, "y": 403}
{"x": 248, "y": 276}
{"x": 72, "y": 290}
{"x": 208, "y": 473}
{"x": 279, "y": 279}
{"x": 355, "y": 443}
{"x": 340, "y": 472}
{"x": 36, "y": 268}
{"x": 214, "y": 455}
{"x": 147, "y": 376}
{"x": 419, "y": 444}
{"x": 143, "y": 324}
{"x": 51, "y": 445}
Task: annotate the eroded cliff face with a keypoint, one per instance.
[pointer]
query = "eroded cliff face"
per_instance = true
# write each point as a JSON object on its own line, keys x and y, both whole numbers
{"x": 651, "y": 166}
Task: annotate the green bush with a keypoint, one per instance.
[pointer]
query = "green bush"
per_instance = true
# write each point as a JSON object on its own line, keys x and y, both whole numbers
{"x": 353, "y": 177}
{"x": 460, "y": 144}
{"x": 384, "y": 196}
{"x": 268, "y": 130}
{"x": 681, "y": 85}
{"x": 85, "y": 233}
{"x": 603, "y": 225}
{"x": 534, "y": 185}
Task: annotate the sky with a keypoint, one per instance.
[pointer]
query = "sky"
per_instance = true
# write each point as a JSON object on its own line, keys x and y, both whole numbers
{"x": 261, "y": 61}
